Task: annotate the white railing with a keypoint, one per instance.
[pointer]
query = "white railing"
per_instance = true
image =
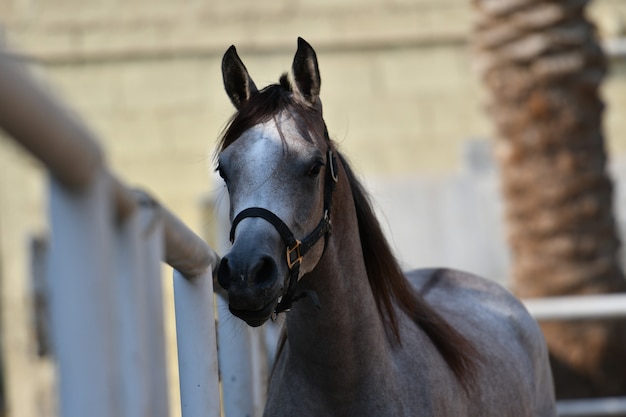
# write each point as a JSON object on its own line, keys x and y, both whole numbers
{"x": 592, "y": 407}
{"x": 583, "y": 307}
{"x": 104, "y": 272}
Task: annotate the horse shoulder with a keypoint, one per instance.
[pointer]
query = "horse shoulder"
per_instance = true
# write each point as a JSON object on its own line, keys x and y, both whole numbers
{"x": 514, "y": 358}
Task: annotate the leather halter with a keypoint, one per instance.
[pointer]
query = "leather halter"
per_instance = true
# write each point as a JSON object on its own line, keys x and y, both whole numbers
{"x": 296, "y": 249}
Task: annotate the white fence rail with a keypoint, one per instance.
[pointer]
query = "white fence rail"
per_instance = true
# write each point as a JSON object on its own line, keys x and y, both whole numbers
{"x": 583, "y": 307}
{"x": 104, "y": 272}
{"x": 594, "y": 407}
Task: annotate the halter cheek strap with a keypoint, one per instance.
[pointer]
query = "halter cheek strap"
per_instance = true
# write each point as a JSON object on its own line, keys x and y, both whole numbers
{"x": 296, "y": 249}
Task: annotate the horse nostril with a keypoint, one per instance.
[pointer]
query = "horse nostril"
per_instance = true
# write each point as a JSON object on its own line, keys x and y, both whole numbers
{"x": 223, "y": 274}
{"x": 264, "y": 271}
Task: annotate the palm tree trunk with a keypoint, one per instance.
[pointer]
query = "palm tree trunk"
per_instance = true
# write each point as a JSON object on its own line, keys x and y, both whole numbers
{"x": 542, "y": 66}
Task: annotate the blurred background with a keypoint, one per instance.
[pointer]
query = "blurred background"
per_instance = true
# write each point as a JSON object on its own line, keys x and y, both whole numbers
{"x": 403, "y": 96}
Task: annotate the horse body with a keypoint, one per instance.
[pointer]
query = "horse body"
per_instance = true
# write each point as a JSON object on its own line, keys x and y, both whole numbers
{"x": 363, "y": 339}
{"x": 514, "y": 377}
{"x": 340, "y": 361}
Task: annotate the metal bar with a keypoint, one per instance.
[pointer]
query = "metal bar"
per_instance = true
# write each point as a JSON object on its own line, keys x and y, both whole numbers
{"x": 243, "y": 366}
{"x": 150, "y": 254}
{"x": 132, "y": 319}
{"x": 592, "y": 407}
{"x": 81, "y": 300}
{"x": 70, "y": 151}
{"x": 184, "y": 250}
{"x": 581, "y": 307}
{"x": 45, "y": 128}
{"x": 197, "y": 356}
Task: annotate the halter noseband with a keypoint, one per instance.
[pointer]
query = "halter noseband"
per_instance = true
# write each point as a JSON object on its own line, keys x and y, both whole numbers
{"x": 296, "y": 249}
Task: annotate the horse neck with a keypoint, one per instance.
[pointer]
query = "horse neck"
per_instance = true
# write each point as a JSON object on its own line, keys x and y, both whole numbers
{"x": 347, "y": 331}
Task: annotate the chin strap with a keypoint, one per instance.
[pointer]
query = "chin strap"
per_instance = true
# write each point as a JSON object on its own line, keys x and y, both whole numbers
{"x": 296, "y": 249}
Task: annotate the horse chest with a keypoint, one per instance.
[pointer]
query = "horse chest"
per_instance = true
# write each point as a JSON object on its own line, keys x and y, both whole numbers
{"x": 295, "y": 393}
{"x": 315, "y": 403}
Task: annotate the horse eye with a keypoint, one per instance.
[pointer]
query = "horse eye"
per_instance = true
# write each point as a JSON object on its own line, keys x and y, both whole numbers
{"x": 221, "y": 173}
{"x": 315, "y": 169}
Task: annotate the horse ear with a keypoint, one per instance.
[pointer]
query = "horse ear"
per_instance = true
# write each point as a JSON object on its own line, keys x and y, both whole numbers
{"x": 237, "y": 82}
{"x": 306, "y": 74}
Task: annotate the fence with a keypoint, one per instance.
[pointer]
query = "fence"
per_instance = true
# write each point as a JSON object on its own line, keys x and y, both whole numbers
{"x": 104, "y": 272}
{"x": 587, "y": 307}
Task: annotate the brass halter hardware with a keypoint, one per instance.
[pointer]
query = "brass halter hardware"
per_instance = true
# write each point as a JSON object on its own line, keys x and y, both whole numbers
{"x": 294, "y": 259}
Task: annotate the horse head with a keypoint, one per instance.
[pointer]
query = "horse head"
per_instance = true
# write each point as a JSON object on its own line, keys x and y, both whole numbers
{"x": 278, "y": 165}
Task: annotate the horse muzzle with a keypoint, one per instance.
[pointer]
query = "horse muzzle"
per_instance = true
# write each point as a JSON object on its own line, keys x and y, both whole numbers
{"x": 253, "y": 282}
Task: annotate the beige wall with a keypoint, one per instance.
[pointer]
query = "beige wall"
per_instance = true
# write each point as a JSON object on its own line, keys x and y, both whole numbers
{"x": 398, "y": 88}
{"x": 398, "y": 92}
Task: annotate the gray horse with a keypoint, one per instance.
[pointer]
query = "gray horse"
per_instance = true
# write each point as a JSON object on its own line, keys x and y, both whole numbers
{"x": 361, "y": 338}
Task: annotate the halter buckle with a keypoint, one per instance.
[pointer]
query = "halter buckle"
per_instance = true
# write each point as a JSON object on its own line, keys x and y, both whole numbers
{"x": 294, "y": 257}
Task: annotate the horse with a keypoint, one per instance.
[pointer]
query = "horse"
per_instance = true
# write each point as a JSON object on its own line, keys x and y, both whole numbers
{"x": 360, "y": 338}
